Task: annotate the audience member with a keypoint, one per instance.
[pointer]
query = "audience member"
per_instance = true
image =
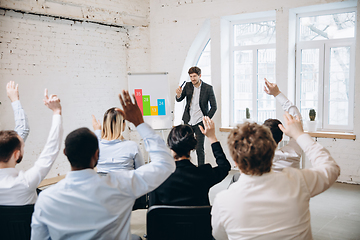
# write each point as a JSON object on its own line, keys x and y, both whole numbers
{"x": 19, "y": 187}
{"x": 189, "y": 185}
{"x": 116, "y": 153}
{"x": 86, "y": 205}
{"x": 290, "y": 154}
{"x": 264, "y": 204}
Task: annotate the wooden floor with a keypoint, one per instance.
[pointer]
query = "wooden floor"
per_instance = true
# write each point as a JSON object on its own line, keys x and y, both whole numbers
{"x": 335, "y": 214}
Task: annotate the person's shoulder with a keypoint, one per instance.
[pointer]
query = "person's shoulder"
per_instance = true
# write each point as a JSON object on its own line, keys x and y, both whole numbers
{"x": 51, "y": 190}
{"x": 204, "y": 84}
{"x": 130, "y": 144}
{"x": 205, "y": 168}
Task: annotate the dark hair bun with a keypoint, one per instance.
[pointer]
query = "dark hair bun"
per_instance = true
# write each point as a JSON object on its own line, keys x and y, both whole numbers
{"x": 182, "y": 140}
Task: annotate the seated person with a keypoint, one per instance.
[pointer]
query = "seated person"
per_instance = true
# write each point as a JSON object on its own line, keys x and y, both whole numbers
{"x": 116, "y": 153}
{"x": 189, "y": 185}
{"x": 264, "y": 204}
{"x": 86, "y": 205}
{"x": 19, "y": 187}
{"x": 290, "y": 154}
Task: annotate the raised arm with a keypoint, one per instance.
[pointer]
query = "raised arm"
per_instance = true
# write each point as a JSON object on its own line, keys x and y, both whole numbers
{"x": 180, "y": 93}
{"x": 325, "y": 171}
{"x": 47, "y": 157}
{"x": 147, "y": 177}
{"x": 97, "y": 127}
{"x": 287, "y": 105}
{"x": 21, "y": 122}
{"x": 223, "y": 165}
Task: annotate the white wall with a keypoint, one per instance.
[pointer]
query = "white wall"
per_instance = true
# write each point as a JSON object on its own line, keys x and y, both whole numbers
{"x": 86, "y": 64}
{"x": 174, "y": 25}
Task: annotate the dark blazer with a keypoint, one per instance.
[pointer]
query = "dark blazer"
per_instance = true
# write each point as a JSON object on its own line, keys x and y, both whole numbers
{"x": 206, "y": 95}
{"x": 189, "y": 185}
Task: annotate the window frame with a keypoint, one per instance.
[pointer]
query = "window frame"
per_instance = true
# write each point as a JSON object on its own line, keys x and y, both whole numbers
{"x": 254, "y": 49}
{"x": 324, "y": 47}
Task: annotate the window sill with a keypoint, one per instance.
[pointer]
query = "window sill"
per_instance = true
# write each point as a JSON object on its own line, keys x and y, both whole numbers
{"x": 338, "y": 135}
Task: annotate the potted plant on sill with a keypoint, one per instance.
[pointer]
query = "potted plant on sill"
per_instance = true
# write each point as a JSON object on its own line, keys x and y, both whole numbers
{"x": 312, "y": 123}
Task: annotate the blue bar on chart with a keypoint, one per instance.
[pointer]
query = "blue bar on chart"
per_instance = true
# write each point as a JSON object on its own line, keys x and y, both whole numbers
{"x": 161, "y": 107}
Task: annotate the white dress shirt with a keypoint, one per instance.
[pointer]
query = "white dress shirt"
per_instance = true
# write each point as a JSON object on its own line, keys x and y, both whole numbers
{"x": 21, "y": 123}
{"x": 118, "y": 154}
{"x": 276, "y": 204}
{"x": 290, "y": 154}
{"x": 196, "y": 114}
{"x": 19, "y": 187}
{"x": 86, "y": 205}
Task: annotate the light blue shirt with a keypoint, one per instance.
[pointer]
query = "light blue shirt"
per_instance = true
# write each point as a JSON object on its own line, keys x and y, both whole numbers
{"x": 86, "y": 205}
{"x": 21, "y": 123}
{"x": 118, "y": 154}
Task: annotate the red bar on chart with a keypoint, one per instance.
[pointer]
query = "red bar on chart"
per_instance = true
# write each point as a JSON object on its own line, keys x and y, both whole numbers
{"x": 139, "y": 99}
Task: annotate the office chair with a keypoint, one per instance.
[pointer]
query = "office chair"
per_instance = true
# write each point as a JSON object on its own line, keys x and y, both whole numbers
{"x": 179, "y": 223}
{"x": 15, "y": 222}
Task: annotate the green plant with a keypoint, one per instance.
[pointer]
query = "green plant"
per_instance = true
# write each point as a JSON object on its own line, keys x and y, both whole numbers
{"x": 247, "y": 113}
{"x": 312, "y": 114}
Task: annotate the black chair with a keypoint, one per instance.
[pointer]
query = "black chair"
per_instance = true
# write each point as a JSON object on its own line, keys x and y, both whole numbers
{"x": 179, "y": 223}
{"x": 15, "y": 222}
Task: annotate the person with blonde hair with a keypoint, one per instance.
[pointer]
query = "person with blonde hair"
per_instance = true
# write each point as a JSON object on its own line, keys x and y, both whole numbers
{"x": 116, "y": 153}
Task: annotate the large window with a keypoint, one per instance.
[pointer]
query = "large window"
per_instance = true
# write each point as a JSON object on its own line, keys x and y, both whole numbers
{"x": 253, "y": 58}
{"x": 325, "y": 67}
{"x": 204, "y": 63}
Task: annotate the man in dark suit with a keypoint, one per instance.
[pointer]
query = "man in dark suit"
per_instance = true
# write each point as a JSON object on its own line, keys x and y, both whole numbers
{"x": 198, "y": 96}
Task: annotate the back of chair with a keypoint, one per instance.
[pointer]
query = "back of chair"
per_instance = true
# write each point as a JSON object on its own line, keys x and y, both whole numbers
{"x": 179, "y": 222}
{"x": 15, "y": 222}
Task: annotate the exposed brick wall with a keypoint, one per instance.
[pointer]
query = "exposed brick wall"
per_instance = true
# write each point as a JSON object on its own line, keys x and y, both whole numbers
{"x": 84, "y": 63}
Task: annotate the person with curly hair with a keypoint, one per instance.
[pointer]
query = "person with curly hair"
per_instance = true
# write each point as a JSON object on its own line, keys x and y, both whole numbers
{"x": 264, "y": 204}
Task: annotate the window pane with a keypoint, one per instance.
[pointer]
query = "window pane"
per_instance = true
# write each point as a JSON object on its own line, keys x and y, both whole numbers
{"x": 204, "y": 63}
{"x": 242, "y": 92}
{"x": 309, "y": 81}
{"x": 265, "y": 69}
{"x": 331, "y": 26}
{"x": 339, "y": 86}
{"x": 254, "y": 33}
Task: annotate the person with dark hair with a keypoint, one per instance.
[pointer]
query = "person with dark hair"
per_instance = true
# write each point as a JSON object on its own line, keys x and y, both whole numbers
{"x": 87, "y": 205}
{"x": 290, "y": 154}
{"x": 198, "y": 95}
{"x": 264, "y": 204}
{"x": 189, "y": 185}
{"x": 19, "y": 187}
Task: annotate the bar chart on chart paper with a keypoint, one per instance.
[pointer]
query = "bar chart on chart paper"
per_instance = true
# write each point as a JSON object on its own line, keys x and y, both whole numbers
{"x": 147, "y": 109}
{"x": 151, "y": 91}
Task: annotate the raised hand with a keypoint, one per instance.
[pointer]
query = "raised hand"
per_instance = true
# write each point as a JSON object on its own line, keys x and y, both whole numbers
{"x": 131, "y": 110}
{"x": 12, "y": 91}
{"x": 178, "y": 92}
{"x": 209, "y": 130}
{"x": 52, "y": 102}
{"x": 294, "y": 126}
{"x": 271, "y": 88}
{"x": 96, "y": 123}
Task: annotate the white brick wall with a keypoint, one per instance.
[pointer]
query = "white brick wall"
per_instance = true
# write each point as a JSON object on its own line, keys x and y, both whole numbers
{"x": 84, "y": 63}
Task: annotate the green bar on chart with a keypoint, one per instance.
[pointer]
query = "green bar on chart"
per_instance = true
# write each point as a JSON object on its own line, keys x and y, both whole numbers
{"x": 146, "y": 105}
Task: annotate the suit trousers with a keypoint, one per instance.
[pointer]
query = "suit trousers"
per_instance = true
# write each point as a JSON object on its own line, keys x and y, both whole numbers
{"x": 200, "y": 143}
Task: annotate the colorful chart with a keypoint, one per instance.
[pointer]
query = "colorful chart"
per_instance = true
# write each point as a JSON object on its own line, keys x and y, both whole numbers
{"x": 145, "y": 106}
